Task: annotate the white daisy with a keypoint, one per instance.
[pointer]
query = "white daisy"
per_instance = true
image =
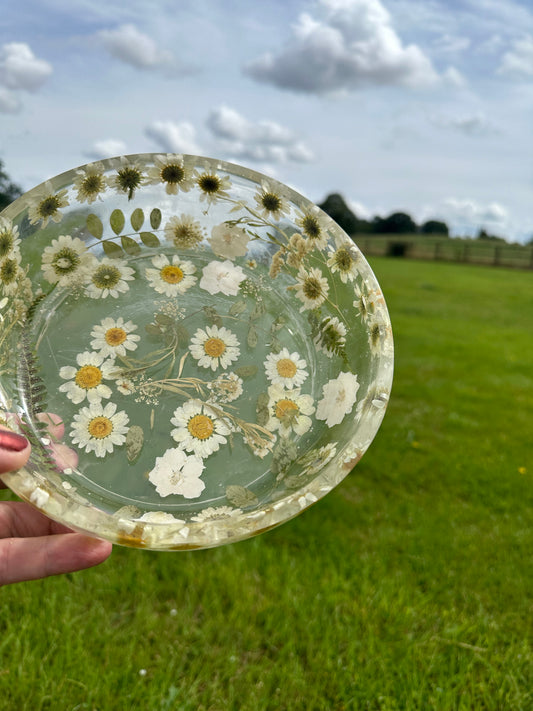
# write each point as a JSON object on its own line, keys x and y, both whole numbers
{"x": 229, "y": 242}
{"x": 172, "y": 172}
{"x": 11, "y": 274}
{"x": 212, "y": 186}
{"x": 286, "y": 369}
{"x": 90, "y": 182}
{"x": 338, "y": 398}
{"x": 331, "y": 337}
{"x": 215, "y": 347}
{"x": 289, "y": 411}
{"x": 113, "y": 337}
{"x": 98, "y": 429}
{"x": 217, "y": 513}
{"x": 313, "y": 224}
{"x": 226, "y": 388}
{"x": 169, "y": 278}
{"x": 344, "y": 260}
{"x": 184, "y": 232}
{"x": 9, "y": 238}
{"x": 178, "y": 473}
{"x": 45, "y": 205}
{"x": 125, "y": 386}
{"x": 222, "y": 277}
{"x": 316, "y": 459}
{"x": 159, "y": 517}
{"x": 367, "y": 302}
{"x": 87, "y": 380}
{"x": 270, "y": 203}
{"x": 66, "y": 261}
{"x": 129, "y": 176}
{"x": 109, "y": 278}
{"x": 312, "y": 288}
{"x": 198, "y": 429}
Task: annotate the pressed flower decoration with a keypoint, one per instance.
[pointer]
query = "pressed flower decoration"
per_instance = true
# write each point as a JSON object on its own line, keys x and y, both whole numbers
{"x": 215, "y": 352}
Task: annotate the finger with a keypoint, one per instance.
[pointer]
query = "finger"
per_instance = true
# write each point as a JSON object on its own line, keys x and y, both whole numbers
{"x": 14, "y": 450}
{"x": 34, "y": 558}
{"x": 20, "y": 520}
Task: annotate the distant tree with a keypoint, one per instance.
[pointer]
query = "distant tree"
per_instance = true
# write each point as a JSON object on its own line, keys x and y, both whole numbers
{"x": 9, "y": 191}
{"x": 335, "y": 206}
{"x": 483, "y": 234}
{"x": 435, "y": 227}
{"x": 396, "y": 223}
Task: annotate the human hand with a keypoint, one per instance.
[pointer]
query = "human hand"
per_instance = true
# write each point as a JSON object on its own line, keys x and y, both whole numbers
{"x": 31, "y": 545}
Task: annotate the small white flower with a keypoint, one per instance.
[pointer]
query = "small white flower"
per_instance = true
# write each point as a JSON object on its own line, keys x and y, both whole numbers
{"x": 178, "y": 473}
{"x": 171, "y": 278}
{"x": 270, "y": 203}
{"x": 11, "y": 274}
{"x": 216, "y": 514}
{"x": 9, "y": 238}
{"x": 344, "y": 260}
{"x": 66, "y": 261}
{"x": 316, "y": 459}
{"x": 338, "y": 398}
{"x": 113, "y": 337}
{"x": 367, "y": 302}
{"x": 289, "y": 411}
{"x": 184, "y": 232}
{"x": 129, "y": 176}
{"x": 198, "y": 429}
{"x": 314, "y": 225}
{"x": 90, "y": 182}
{"x": 212, "y": 186}
{"x": 215, "y": 347}
{"x": 45, "y": 205}
{"x": 331, "y": 337}
{"x": 226, "y": 388}
{"x": 286, "y": 369}
{"x": 229, "y": 242}
{"x": 222, "y": 277}
{"x": 125, "y": 386}
{"x": 87, "y": 380}
{"x": 109, "y": 278}
{"x": 98, "y": 429}
{"x": 171, "y": 170}
{"x": 312, "y": 288}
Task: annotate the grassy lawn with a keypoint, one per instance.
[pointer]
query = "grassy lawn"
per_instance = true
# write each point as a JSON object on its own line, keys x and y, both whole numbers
{"x": 408, "y": 587}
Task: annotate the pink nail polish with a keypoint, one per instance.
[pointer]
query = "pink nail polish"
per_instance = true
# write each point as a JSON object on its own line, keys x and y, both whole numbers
{"x": 12, "y": 442}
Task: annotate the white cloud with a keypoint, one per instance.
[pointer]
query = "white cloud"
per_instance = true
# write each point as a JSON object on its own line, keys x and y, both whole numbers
{"x": 467, "y": 216}
{"x": 106, "y": 148}
{"x": 130, "y": 45}
{"x": 353, "y": 44}
{"x": 451, "y": 44}
{"x": 174, "y": 137}
{"x": 518, "y": 60}
{"x": 21, "y": 69}
{"x": 263, "y": 141}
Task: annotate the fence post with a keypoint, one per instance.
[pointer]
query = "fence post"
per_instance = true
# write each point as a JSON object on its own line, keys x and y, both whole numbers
{"x": 497, "y": 255}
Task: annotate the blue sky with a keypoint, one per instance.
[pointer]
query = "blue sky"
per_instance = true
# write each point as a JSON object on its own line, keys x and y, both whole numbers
{"x": 416, "y": 105}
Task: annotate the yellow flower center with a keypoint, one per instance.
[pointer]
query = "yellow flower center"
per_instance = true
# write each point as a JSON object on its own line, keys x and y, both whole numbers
{"x": 89, "y": 376}
{"x": 100, "y": 427}
{"x": 201, "y": 426}
{"x": 214, "y": 347}
{"x": 171, "y": 274}
{"x": 286, "y": 368}
{"x": 286, "y": 410}
{"x": 115, "y": 336}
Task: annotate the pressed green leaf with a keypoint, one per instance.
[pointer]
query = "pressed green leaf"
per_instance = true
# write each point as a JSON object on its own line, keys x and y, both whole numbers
{"x": 251, "y": 339}
{"x": 182, "y": 333}
{"x": 95, "y": 226}
{"x": 155, "y": 218}
{"x": 117, "y": 221}
{"x": 164, "y": 319}
{"x": 279, "y": 322}
{"x": 137, "y": 219}
{"x": 149, "y": 239}
{"x": 237, "y": 308}
{"x": 152, "y": 329}
{"x": 130, "y": 246}
{"x": 258, "y": 310}
{"x": 246, "y": 371}
{"x": 112, "y": 249}
{"x": 240, "y": 496}
{"x": 212, "y": 315}
{"x": 134, "y": 443}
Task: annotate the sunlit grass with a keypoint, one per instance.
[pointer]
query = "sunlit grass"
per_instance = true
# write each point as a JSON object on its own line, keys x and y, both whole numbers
{"x": 408, "y": 587}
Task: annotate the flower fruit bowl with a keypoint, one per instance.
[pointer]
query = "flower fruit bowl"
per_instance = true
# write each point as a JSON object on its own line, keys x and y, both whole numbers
{"x": 196, "y": 352}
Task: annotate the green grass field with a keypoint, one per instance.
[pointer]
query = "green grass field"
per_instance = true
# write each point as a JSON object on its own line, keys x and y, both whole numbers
{"x": 408, "y": 587}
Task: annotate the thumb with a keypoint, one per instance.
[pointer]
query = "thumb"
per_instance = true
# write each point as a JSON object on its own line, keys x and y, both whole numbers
{"x": 14, "y": 450}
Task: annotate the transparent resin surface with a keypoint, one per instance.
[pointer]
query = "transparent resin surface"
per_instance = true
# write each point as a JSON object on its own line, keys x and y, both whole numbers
{"x": 196, "y": 352}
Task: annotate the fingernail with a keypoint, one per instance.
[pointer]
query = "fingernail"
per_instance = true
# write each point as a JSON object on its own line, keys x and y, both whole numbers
{"x": 12, "y": 441}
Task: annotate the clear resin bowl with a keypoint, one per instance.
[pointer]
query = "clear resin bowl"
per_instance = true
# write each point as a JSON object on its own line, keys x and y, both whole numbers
{"x": 196, "y": 352}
